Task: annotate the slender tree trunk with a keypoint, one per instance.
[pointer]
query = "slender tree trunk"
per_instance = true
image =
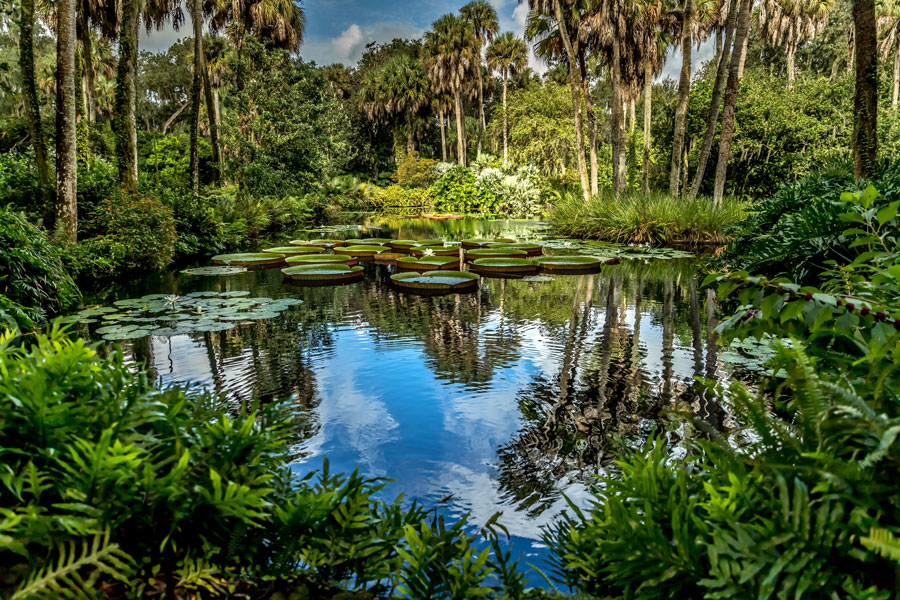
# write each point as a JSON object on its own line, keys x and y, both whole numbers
{"x": 617, "y": 127}
{"x": 460, "y": 130}
{"x": 505, "y": 119}
{"x": 87, "y": 50}
{"x": 30, "y": 97}
{"x": 124, "y": 124}
{"x": 851, "y": 50}
{"x": 790, "y": 58}
{"x": 865, "y": 100}
{"x": 648, "y": 114}
{"x": 684, "y": 92}
{"x": 211, "y": 106}
{"x": 174, "y": 116}
{"x": 576, "y": 99}
{"x": 731, "y": 91}
{"x": 443, "y": 136}
{"x": 743, "y": 57}
{"x": 481, "y": 120}
{"x": 196, "y": 83}
{"x": 632, "y": 114}
{"x": 712, "y": 117}
{"x": 718, "y": 46}
{"x": 592, "y": 123}
{"x": 66, "y": 109}
{"x": 895, "y": 91}
{"x": 410, "y": 144}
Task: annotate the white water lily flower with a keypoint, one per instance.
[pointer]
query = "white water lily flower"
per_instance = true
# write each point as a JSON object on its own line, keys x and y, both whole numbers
{"x": 173, "y": 299}
{"x": 428, "y": 252}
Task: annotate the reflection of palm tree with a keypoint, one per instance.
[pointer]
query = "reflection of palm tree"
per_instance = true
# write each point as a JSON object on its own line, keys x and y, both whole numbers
{"x": 668, "y": 339}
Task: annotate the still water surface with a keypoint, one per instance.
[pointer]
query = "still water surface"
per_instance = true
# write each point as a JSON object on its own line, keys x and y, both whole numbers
{"x": 503, "y": 400}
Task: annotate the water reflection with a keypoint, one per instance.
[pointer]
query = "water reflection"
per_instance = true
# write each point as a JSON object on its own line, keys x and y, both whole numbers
{"x": 505, "y": 398}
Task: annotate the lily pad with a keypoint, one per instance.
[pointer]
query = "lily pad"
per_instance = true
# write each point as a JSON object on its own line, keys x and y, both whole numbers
{"x": 402, "y": 245}
{"x": 388, "y": 258}
{"x": 436, "y": 281}
{"x": 132, "y": 334}
{"x": 531, "y": 249}
{"x": 361, "y": 251}
{"x": 495, "y": 253}
{"x": 320, "y": 243}
{"x": 321, "y": 259}
{"x": 428, "y": 263}
{"x": 235, "y": 294}
{"x": 202, "y": 271}
{"x": 370, "y": 241}
{"x": 476, "y": 243}
{"x": 252, "y": 260}
{"x": 572, "y": 263}
{"x": 505, "y": 265}
{"x": 315, "y": 273}
{"x": 295, "y": 250}
{"x": 434, "y": 250}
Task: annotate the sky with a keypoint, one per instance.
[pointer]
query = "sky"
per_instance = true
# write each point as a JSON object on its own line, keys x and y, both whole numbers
{"x": 337, "y": 31}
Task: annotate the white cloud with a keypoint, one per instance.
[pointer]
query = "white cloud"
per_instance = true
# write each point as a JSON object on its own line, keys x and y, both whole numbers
{"x": 348, "y": 42}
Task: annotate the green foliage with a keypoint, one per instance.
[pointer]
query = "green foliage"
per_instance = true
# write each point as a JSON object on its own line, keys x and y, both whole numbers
{"x": 33, "y": 277}
{"x": 388, "y": 199}
{"x": 129, "y": 232}
{"x": 645, "y": 219}
{"x": 168, "y": 160}
{"x": 457, "y": 191}
{"x": 414, "y": 171}
{"x": 801, "y": 501}
{"x": 19, "y": 186}
{"x": 798, "y": 230}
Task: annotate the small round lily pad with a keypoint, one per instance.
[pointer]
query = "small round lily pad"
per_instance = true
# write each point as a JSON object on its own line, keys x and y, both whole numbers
{"x": 428, "y": 263}
{"x": 505, "y": 265}
{"x": 436, "y": 281}
{"x": 361, "y": 251}
{"x": 250, "y": 260}
{"x": 212, "y": 271}
{"x": 321, "y": 259}
{"x": 320, "y": 273}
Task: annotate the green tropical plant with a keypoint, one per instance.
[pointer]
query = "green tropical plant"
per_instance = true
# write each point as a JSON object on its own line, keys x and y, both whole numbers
{"x": 458, "y": 191}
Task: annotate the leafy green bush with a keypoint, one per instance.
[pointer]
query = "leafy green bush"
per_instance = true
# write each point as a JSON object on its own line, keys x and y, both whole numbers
{"x": 391, "y": 198}
{"x": 108, "y": 484}
{"x": 19, "y": 186}
{"x": 799, "y": 229}
{"x": 802, "y": 501}
{"x": 645, "y": 219}
{"x": 132, "y": 232}
{"x": 32, "y": 273}
{"x": 457, "y": 191}
{"x": 414, "y": 171}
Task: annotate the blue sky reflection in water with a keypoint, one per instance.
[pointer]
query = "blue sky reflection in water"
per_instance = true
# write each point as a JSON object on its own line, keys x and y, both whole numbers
{"x": 503, "y": 399}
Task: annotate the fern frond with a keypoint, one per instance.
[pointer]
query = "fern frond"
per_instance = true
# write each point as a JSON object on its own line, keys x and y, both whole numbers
{"x": 882, "y": 542}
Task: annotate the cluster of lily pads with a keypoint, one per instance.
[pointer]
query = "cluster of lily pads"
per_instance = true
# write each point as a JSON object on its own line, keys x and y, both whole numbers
{"x": 168, "y": 315}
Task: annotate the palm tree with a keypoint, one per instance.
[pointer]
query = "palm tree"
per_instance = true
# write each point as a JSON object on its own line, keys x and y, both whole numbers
{"x": 509, "y": 55}
{"x": 124, "y": 125}
{"x": 396, "y": 90}
{"x": 684, "y": 91}
{"x": 66, "y": 113}
{"x": 451, "y": 56}
{"x": 93, "y": 14}
{"x": 441, "y": 105}
{"x": 482, "y": 18}
{"x": 29, "y": 93}
{"x": 865, "y": 99}
{"x": 888, "y": 14}
{"x": 789, "y": 23}
{"x": 196, "y": 84}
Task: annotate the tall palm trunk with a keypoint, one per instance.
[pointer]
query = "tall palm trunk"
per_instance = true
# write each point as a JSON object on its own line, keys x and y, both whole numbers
{"x": 212, "y": 107}
{"x": 712, "y": 117}
{"x": 87, "y": 81}
{"x": 648, "y": 96}
{"x": 895, "y": 92}
{"x": 684, "y": 92}
{"x": 865, "y": 99}
{"x": 592, "y": 123}
{"x": 481, "y": 120}
{"x": 617, "y": 127}
{"x": 124, "y": 125}
{"x": 443, "y": 135}
{"x": 790, "y": 59}
{"x": 196, "y": 82}
{"x": 731, "y": 91}
{"x": 576, "y": 99}
{"x": 30, "y": 97}
{"x": 460, "y": 130}
{"x": 66, "y": 112}
{"x": 505, "y": 119}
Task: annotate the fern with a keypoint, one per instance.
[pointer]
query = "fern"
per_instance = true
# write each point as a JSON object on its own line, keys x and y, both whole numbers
{"x": 74, "y": 573}
{"x": 883, "y": 542}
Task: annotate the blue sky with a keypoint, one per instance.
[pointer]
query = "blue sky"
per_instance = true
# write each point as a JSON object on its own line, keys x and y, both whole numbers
{"x": 338, "y": 30}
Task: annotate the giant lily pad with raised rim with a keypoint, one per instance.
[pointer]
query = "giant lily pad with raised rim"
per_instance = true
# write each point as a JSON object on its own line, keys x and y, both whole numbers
{"x": 436, "y": 282}
{"x": 388, "y": 258}
{"x": 477, "y": 253}
{"x": 517, "y": 266}
{"x": 428, "y": 243}
{"x": 369, "y": 242}
{"x": 321, "y": 243}
{"x": 323, "y": 273}
{"x": 296, "y": 250}
{"x": 200, "y": 271}
{"x": 249, "y": 260}
{"x": 428, "y": 263}
{"x": 476, "y": 243}
{"x": 558, "y": 264}
{"x": 531, "y": 249}
{"x": 402, "y": 245}
{"x": 361, "y": 251}
{"x": 321, "y": 259}
{"x": 434, "y": 250}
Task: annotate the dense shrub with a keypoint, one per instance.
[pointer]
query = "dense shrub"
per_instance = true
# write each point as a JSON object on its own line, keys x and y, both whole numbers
{"x": 802, "y": 501}
{"x": 168, "y": 160}
{"x": 799, "y": 229}
{"x": 108, "y": 484}
{"x": 652, "y": 219}
{"x": 32, "y": 274}
{"x": 457, "y": 191}
{"x": 414, "y": 171}
{"x": 393, "y": 198}
{"x": 19, "y": 186}
{"x": 132, "y": 233}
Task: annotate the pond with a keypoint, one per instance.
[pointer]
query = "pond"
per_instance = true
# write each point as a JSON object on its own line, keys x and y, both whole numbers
{"x": 504, "y": 399}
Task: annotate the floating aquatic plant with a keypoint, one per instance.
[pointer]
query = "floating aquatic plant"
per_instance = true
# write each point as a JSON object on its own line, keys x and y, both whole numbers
{"x": 529, "y": 248}
{"x": 388, "y": 257}
{"x": 577, "y": 263}
{"x": 505, "y": 265}
{"x": 250, "y": 260}
{"x": 222, "y": 270}
{"x": 314, "y": 243}
{"x": 323, "y": 273}
{"x": 495, "y": 253}
{"x": 167, "y": 315}
{"x": 428, "y": 263}
{"x": 296, "y": 250}
{"x": 321, "y": 259}
{"x": 361, "y": 250}
{"x": 436, "y": 281}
